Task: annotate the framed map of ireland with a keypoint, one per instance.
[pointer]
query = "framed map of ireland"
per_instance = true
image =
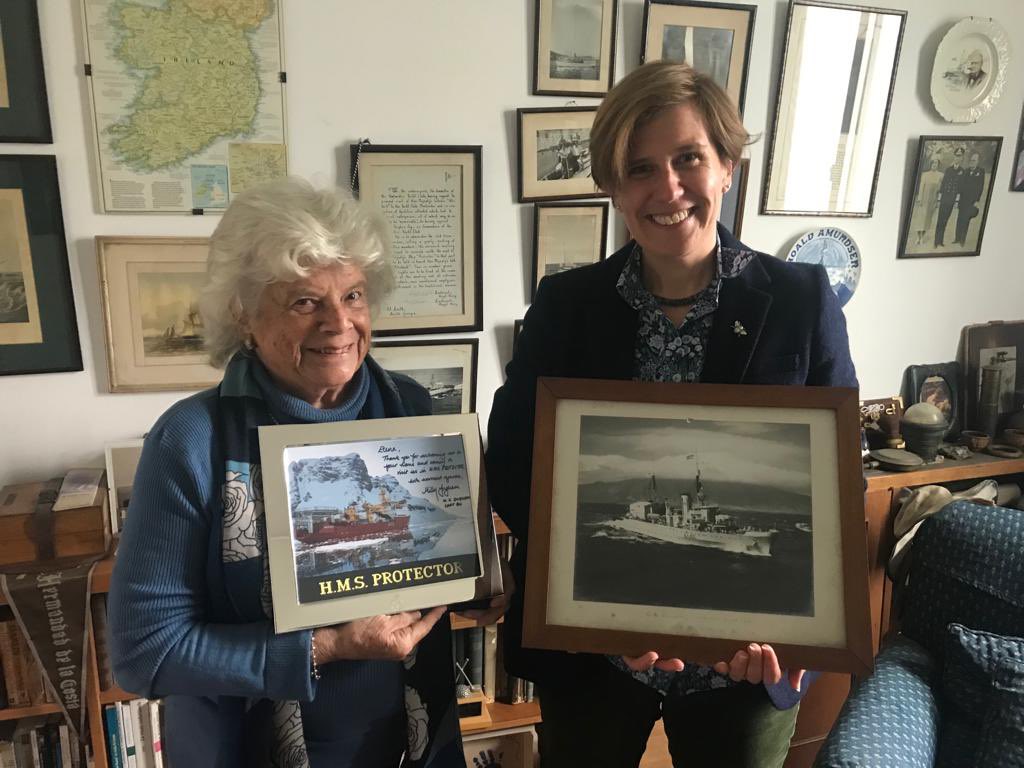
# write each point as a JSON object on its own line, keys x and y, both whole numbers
{"x": 187, "y": 100}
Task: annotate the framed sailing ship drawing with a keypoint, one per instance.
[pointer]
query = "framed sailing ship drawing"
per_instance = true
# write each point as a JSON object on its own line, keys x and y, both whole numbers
{"x": 371, "y": 517}
{"x": 691, "y": 520}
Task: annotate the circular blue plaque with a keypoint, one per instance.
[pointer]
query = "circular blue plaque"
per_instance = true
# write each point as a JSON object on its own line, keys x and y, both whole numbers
{"x": 837, "y": 253}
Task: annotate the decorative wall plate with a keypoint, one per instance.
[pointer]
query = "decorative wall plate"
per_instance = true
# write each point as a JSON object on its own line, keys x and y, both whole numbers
{"x": 837, "y": 253}
{"x": 969, "y": 73}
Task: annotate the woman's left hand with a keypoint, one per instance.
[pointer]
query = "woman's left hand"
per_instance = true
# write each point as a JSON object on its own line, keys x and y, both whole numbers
{"x": 499, "y": 605}
{"x": 757, "y": 664}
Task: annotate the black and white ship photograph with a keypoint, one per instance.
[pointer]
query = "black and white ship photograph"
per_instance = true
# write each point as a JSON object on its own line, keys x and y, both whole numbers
{"x": 576, "y": 39}
{"x": 689, "y": 513}
{"x": 364, "y": 507}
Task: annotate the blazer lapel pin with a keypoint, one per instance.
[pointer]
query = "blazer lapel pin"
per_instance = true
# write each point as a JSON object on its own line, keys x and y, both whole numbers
{"x": 738, "y": 329}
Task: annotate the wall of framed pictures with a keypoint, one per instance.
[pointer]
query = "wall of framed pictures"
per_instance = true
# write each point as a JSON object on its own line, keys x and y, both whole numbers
{"x": 455, "y": 74}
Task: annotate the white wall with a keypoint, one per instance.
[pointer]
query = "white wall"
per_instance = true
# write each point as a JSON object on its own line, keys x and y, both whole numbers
{"x": 453, "y": 72}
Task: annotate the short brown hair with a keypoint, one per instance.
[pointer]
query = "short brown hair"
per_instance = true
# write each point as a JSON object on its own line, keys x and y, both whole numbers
{"x": 643, "y": 94}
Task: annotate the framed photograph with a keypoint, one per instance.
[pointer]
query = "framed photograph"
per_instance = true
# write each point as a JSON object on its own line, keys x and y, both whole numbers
{"x": 370, "y": 516}
{"x": 506, "y": 749}
{"x": 554, "y": 153}
{"x": 969, "y": 72}
{"x": 38, "y": 328}
{"x": 835, "y": 90}
{"x": 122, "y": 461}
{"x": 713, "y": 38}
{"x": 430, "y": 195}
{"x": 998, "y": 346}
{"x": 24, "y": 112}
{"x": 150, "y": 288}
{"x": 949, "y": 197}
{"x": 731, "y": 215}
{"x": 445, "y": 368}
{"x": 574, "y": 47}
{"x": 517, "y": 326}
{"x": 690, "y": 520}
{"x": 940, "y": 384}
{"x": 1017, "y": 183}
{"x": 566, "y": 236}
{"x": 880, "y": 420}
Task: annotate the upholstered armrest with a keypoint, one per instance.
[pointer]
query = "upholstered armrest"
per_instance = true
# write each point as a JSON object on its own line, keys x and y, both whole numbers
{"x": 890, "y": 720}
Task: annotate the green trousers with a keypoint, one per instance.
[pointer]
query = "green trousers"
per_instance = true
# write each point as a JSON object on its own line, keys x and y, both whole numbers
{"x": 605, "y": 722}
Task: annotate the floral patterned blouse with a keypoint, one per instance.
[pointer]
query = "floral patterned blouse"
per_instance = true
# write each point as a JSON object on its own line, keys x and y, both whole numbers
{"x": 666, "y": 353}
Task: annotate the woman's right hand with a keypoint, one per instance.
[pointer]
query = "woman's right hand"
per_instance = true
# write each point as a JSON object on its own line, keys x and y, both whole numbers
{"x": 651, "y": 660}
{"x": 387, "y": 637}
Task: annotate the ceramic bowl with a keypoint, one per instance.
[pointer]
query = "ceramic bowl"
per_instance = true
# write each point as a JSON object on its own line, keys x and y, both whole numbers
{"x": 975, "y": 440}
{"x": 1014, "y": 437}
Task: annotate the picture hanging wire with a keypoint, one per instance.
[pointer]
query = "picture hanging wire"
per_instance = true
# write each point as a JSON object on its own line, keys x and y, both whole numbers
{"x": 355, "y": 165}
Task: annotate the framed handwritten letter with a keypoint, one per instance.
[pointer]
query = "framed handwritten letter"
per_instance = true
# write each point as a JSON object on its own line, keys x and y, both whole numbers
{"x": 430, "y": 197}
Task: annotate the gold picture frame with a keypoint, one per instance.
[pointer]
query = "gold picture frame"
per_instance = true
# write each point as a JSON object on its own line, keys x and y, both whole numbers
{"x": 614, "y": 567}
{"x": 153, "y": 330}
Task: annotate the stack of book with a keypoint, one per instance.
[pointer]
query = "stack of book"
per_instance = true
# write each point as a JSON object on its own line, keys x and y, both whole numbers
{"x": 38, "y": 742}
{"x": 134, "y": 731}
{"x": 21, "y": 679}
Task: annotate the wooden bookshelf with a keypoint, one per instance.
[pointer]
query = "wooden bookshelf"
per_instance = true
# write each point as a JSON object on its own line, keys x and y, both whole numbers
{"x": 16, "y": 713}
{"x": 508, "y": 716}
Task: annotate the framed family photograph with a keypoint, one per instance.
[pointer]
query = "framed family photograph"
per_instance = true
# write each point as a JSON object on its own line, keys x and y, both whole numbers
{"x": 691, "y": 520}
{"x": 992, "y": 353}
{"x": 38, "y": 327}
{"x": 24, "y": 112}
{"x": 566, "y": 236}
{"x": 733, "y": 202}
{"x": 554, "y": 153}
{"x": 1017, "y": 182}
{"x": 949, "y": 196}
{"x": 713, "y": 38}
{"x": 446, "y": 368}
{"x": 430, "y": 197}
{"x": 574, "y": 47}
{"x": 154, "y": 332}
{"x": 835, "y": 91}
{"x": 940, "y": 384}
{"x": 371, "y": 516}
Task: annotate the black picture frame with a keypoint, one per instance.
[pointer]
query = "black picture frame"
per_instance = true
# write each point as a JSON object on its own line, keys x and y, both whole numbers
{"x": 980, "y": 345}
{"x": 937, "y": 158}
{"x": 370, "y": 161}
{"x": 734, "y": 201}
{"x": 49, "y": 285}
{"x": 542, "y": 132}
{"x": 941, "y": 384}
{"x": 462, "y": 352}
{"x": 545, "y": 214}
{"x": 1017, "y": 167}
{"x": 546, "y": 80}
{"x": 25, "y": 118}
{"x": 739, "y": 21}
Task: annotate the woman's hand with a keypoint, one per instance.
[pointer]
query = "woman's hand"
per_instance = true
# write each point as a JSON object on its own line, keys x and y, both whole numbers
{"x": 390, "y": 638}
{"x": 499, "y": 605}
{"x": 651, "y": 660}
{"x": 757, "y": 664}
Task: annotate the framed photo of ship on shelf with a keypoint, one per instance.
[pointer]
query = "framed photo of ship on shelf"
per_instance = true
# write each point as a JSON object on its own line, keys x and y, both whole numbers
{"x": 693, "y": 519}
{"x": 375, "y": 516}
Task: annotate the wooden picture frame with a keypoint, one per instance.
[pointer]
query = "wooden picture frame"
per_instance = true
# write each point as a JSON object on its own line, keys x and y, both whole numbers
{"x": 611, "y": 569}
{"x": 999, "y": 343}
{"x": 446, "y": 368}
{"x": 566, "y": 236}
{"x": 554, "y": 153}
{"x": 376, "y": 484}
{"x": 150, "y": 288}
{"x": 940, "y": 384}
{"x": 122, "y": 460}
{"x": 713, "y": 38}
{"x": 574, "y": 47}
{"x": 438, "y": 269}
{"x": 24, "y": 111}
{"x": 38, "y": 327}
{"x": 734, "y": 201}
{"x": 825, "y": 150}
{"x": 949, "y": 169}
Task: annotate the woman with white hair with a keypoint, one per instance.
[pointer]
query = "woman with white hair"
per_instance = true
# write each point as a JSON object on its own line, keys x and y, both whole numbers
{"x": 292, "y": 275}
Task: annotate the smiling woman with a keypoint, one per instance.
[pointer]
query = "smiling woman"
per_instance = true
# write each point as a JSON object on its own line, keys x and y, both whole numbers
{"x": 291, "y": 278}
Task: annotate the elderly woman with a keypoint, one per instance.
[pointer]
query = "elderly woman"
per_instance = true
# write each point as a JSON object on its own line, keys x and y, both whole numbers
{"x": 684, "y": 301}
{"x": 293, "y": 273}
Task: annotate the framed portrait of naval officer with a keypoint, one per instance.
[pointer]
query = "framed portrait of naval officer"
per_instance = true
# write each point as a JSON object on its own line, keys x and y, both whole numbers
{"x": 692, "y": 519}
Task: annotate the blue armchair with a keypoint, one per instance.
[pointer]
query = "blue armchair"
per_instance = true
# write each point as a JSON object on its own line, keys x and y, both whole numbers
{"x": 948, "y": 690}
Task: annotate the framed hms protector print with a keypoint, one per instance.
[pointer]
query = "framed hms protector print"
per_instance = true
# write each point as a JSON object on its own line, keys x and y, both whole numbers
{"x": 370, "y": 517}
{"x": 694, "y": 519}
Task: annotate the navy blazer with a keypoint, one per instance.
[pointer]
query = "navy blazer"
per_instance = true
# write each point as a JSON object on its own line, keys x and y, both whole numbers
{"x": 579, "y": 326}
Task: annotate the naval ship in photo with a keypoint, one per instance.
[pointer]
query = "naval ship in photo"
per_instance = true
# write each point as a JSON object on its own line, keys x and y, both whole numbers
{"x": 693, "y": 522}
{"x": 374, "y": 521}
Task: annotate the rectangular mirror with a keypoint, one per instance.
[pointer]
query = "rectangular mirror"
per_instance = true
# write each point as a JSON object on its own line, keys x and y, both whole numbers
{"x": 835, "y": 89}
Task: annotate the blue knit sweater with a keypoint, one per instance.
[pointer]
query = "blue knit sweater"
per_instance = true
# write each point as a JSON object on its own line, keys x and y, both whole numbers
{"x": 168, "y": 611}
